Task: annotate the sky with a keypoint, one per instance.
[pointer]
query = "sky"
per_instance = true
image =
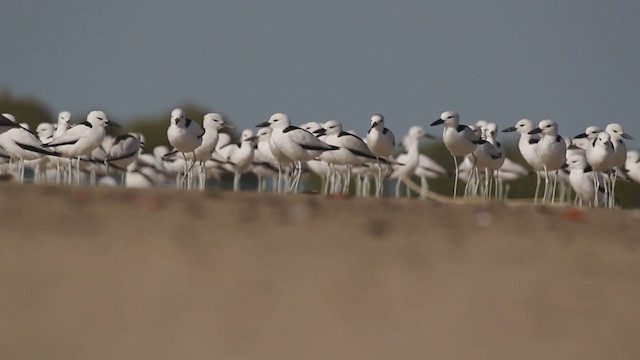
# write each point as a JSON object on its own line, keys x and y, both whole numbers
{"x": 574, "y": 61}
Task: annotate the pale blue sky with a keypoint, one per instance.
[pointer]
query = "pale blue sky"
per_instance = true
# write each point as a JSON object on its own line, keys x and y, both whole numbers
{"x": 501, "y": 60}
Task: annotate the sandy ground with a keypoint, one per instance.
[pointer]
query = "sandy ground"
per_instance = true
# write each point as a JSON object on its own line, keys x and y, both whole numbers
{"x": 113, "y": 274}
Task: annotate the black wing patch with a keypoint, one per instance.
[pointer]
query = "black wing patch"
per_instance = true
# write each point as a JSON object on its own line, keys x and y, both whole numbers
{"x": 588, "y": 169}
{"x": 344, "y": 133}
{"x": 361, "y": 154}
{"x": 6, "y": 122}
{"x": 319, "y": 148}
{"x": 37, "y": 149}
{"x": 122, "y": 157}
{"x": 291, "y": 128}
{"x": 187, "y": 122}
{"x": 558, "y": 138}
{"x": 85, "y": 123}
{"x": 119, "y": 138}
{"x": 384, "y": 131}
{"x": 70, "y": 142}
{"x": 480, "y": 142}
{"x": 534, "y": 141}
{"x": 461, "y": 128}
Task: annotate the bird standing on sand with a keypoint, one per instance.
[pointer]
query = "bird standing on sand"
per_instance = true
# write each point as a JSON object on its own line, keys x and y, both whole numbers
{"x": 382, "y": 144}
{"x": 459, "y": 139}
{"x": 185, "y": 136}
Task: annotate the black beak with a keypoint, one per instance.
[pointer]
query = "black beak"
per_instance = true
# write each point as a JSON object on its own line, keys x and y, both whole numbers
{"x": 264, "y": 124}
{"x": 251, "y": 138}
{"x": 510, "y": 129}
{"x": 373, "y": 124}
{"x": 564, "y": 166}
{"x": 437, "y": 122}
{"x": 627, "y": 136}
{"x": 6, "y": 122}
{"x": 581, "y": 136}
{"x": 113, "y": 124}
{"x": 320, "y": 131}
{"x": 535, "y": 131}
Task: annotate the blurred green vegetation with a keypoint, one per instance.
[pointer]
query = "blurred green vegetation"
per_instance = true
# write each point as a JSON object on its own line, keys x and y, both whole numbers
{"x": 32, "y": 111}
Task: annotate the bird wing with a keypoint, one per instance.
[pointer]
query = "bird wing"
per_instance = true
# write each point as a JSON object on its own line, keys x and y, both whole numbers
{"x": 195, "y": 129}
{"x": 388, "y": 132}
{"x": 355, "y": 145}
{"x": 70, "y": 137}
{"x": 308, "y": 141}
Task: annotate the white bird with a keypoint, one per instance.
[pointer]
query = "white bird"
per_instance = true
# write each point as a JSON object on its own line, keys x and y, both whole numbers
{"x": 459, "y": 139}
{"x": 293, "y": 143}
{"x": 489, "y": 157}
{"x": 351, "y": 151}
{"x": 22, "y": 144}
{"x": 318, "y": 166}
{"x": 582, "y": 177}
{"x": 552, "y": 151}
{"x": 185, "y": 136}
{"x": 407, "y": 167}
{"x": 620, "y": 153}
{"x": 124, "y": 152}
{"x": 63, "y": 124}
{"x": 583, "y": 140}
{"x": 382, "y": 143}
{"x": 241, "y": 156}
{"x": 45, "y": 131}
{"x": 601, "y": 157}
{"x": 528, "y": 146}
{"x": 82, "y": 139}
{"x": 600, "y": 153}
{"x": 632, "y": 165}
{"x": 212, "y": 124}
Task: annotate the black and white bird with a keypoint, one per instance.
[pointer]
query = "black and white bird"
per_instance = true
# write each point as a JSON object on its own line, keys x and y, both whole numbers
{"x": 552, "y": 151}
{"x": 293, "y": 143}
{"x": 459, "y": 139}
{"x": 382, "y": 143}
{"x": 185, "y": 136}
{"x": 124, "y": 151}
{"x": 21, "y": 143}
{"x": 582, "y": 177}
{"x": 618, "y": 135}
{"x": 81, "y": 139}
{"x": 528, "y": 146}
{"x": 352, "y": 150}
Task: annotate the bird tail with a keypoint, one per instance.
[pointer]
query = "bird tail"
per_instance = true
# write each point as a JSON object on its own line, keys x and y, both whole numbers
{"x": 37, "y": 150}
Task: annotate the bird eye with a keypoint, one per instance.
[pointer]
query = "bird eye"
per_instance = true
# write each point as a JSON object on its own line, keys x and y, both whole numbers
{"x": 274, "y": 120}
{"x": 100, "y": 119}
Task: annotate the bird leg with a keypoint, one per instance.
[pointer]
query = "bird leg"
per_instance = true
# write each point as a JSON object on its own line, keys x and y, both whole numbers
{"x": 236, "y": 181}
{"x": 538, "y": 181}
{"x": 455, "y": 181}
